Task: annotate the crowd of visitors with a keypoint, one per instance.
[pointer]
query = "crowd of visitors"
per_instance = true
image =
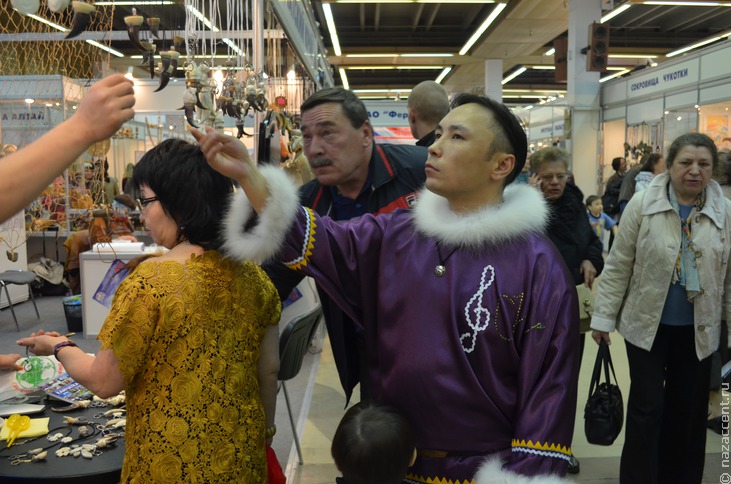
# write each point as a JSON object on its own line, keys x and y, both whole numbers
{"x": 449, "y": 292}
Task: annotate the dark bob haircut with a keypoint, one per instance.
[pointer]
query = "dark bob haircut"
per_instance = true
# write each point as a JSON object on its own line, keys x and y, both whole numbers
{"x": 352, "y": 106}
{"x": 373, "y": 444}
{"x": 189, "y": 190}
{"x": 691, "y": 139}
{"x": 508, "y": 130}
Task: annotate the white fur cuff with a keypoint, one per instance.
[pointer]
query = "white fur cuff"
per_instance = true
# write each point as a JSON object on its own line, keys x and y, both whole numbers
{"x": 492, "y": 472}
{"x": 265, "y": 239}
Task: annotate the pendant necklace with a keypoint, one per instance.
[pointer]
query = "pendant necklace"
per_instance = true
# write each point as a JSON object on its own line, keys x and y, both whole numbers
{"x": 441, "y": 268}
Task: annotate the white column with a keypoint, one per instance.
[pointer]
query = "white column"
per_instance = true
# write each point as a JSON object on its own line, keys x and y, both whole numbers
{"x": 493, "y": 79}
{"x": 257, "y": 20}
{"x": 583, "y": 97}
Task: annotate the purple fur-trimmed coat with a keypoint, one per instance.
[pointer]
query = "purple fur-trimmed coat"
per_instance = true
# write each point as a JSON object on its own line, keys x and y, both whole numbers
{"x": 482, "y": 361}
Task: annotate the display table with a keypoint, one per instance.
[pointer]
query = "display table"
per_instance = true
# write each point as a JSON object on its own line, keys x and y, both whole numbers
{"x": 92, "y": 267}
{"x": 104, "y": 468}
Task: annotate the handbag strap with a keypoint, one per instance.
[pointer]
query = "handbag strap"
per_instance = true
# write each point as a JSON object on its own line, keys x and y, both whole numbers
{"x": 603, "y": 358}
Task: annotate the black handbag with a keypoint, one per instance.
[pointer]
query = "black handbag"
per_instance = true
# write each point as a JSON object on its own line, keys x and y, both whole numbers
{"x": 604, "y": 411}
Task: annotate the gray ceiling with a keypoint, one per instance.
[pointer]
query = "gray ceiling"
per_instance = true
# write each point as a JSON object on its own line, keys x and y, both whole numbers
{"x": 520, "y": 37}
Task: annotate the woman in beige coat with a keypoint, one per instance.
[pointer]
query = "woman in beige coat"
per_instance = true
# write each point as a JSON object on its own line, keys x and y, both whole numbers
{"x": 664, "y": 287}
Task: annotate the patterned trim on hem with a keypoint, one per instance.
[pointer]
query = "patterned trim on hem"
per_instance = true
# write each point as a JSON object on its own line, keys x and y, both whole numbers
{"x": 543, "y": 449}
{"x": 409, "y": 479}
{"x": 308, "y": 243}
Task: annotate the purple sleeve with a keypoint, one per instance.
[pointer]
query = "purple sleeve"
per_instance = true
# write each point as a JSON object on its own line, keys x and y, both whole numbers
{"x": 342, "y": 257}
{"x": 548, "y": 374}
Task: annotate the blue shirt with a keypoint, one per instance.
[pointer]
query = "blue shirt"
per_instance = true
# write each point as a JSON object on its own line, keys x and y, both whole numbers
{"x": 603, "y": 221}
{"x": 345, "y": 208}
{"x": 678, "y": 311}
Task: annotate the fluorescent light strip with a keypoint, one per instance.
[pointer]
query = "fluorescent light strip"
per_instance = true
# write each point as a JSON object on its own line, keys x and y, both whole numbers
{"x": 550, "y": 51}
{"x": 698, "y": 44}
{"x": 325, "y": 2}
{"x": 544, "y": 68}
{"x": 615, "y": 75}
{"x": 633, "y": 56}
{"x": 513, "y": 75}
{"x": 615, "y": 12}
{"x": 688, "y": 4}
{"x": 104, "y": 47}
{"x": 64, "y": 29}
{"x": 481, "y": 30}
{"x": 234, "y": 47}
{"x": 443, "y": 74}
{"x": 47, "y": 22}
{"x": 140, "y": 2}
{"x": 343, "y": 77}
{"x": 390, "y": 68}
{"x": 378, "y": 91}
{"x": 427, "y": 55}
{"x": 331, "y": 28}
{"x": 361, "y": 56}
{"x": 202, "y": 18}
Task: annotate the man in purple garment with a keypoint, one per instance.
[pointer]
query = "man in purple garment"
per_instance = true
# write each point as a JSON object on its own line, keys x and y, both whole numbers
{"x": 468, "y": 311}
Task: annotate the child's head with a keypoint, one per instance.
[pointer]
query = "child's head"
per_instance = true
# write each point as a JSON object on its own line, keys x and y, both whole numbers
{"x": 594, "y": 204}
{"x": 373, "y": 444}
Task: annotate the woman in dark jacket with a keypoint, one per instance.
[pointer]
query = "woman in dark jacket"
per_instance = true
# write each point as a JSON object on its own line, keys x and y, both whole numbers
{"x": 569, "y": 227}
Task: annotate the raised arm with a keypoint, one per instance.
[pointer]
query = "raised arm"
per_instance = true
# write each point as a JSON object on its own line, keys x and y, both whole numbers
{"x": 25, "y": 173}
{"x": 229, "y": 156}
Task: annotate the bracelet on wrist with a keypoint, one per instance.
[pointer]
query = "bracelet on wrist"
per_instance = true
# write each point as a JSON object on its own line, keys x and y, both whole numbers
{"x": 63, "y": 344}
{"x": 270, "y": 431}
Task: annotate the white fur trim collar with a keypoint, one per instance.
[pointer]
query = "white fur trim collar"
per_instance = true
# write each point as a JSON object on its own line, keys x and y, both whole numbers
{"x": 265, "y": 239}
{"x": 492, "y": 472}
{"x": 523, "y": 211}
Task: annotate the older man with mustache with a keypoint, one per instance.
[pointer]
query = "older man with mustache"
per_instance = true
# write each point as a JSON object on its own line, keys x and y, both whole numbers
{"x": 354, "y": 176}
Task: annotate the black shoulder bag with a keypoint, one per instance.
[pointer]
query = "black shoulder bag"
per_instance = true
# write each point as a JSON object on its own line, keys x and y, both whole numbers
{"x": 604, "y": 411}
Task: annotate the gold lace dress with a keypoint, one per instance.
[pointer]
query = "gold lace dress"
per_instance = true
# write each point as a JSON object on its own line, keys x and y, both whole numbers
{"x": 188, "y": 337}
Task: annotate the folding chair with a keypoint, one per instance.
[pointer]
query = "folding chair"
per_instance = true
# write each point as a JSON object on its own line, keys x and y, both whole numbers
{"x": 293, "y": 344}
{"x": 18, "y": 277}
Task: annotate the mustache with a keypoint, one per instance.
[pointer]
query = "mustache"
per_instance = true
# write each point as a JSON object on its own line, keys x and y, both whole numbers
{"x": 320, "y": 161}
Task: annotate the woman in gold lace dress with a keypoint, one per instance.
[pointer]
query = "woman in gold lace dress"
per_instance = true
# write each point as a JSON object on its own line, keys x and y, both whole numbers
{"x": 191, "y": 337}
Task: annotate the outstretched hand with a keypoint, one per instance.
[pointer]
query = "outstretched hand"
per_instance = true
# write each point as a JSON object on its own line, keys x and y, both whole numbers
{"x": 226, "y": 154}
{"x": 105, "y": 107}
{"x": 42, "y": 343}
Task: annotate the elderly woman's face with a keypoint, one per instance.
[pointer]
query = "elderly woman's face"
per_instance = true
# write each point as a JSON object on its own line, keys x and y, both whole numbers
{"x": 160, "y": 226}
{"x": 690, "y": 172}
{"x": 553, "y": 175}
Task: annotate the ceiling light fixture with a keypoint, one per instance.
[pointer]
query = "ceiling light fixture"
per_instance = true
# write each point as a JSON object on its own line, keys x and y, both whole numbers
{"x": 136, "y": 3}
{"x": 343, "y": 77}
{"x": 325, "y": 2}
{"x": 104, "y": 47}
{"x": 513, "y": 75}
{"x": 698, "y": 44}
{"x": 550, "y": 51}
{"x": 47, "y": 22}
{"x": 197, "y": 14}
{"x": 442, "y": 75}
{"x": 481, "y": 30}
{"x": 544, "y": 68}
{"x": 615, "y": 75}
{"x": 633, "y": 56}
{"x": 610, "y": 15}
{"x": 428, "y": 55}
{"x": 384, "y": 91}
{"x": 234, "y": 47}
{"x": 687, "y": 3}
{"x": 331, "y": 28}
